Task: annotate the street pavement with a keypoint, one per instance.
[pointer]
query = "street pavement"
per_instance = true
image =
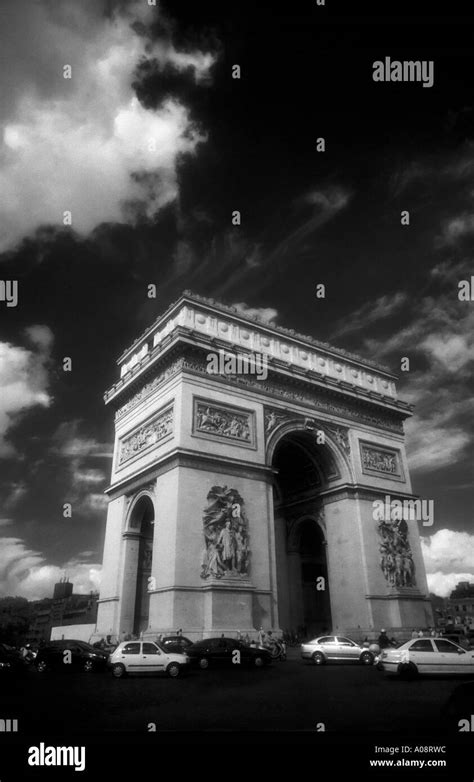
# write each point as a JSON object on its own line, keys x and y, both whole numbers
{"x": 288, "y": 696}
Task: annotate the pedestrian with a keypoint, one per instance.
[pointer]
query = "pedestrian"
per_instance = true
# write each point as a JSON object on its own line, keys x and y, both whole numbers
{"x": 414, "y": 633}
{"x": 261, "y": 636}
{"x": 420, "y": 633}
{"x": 383, "y": 639}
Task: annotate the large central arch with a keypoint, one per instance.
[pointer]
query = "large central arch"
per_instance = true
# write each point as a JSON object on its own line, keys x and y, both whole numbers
{"x": 304, "y": 469}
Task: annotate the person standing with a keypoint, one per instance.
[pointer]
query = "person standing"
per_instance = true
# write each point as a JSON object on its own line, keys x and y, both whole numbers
{"x": 226, "y": 544}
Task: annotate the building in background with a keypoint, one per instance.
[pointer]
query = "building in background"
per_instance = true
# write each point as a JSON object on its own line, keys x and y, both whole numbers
{"x": 457, "y": 610}
{"x": 63, "y": 609}
{"x": 15, "y": 618}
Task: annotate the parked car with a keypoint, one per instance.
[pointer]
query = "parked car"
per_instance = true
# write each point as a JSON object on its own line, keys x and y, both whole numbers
{"x": 458, "y": 638}
{"x": 11, "y": 660}
{"x": 175, "y": 644}
{"x": 108, "y": 648}
{"x": 221, "y": 652}
{"x": 336, "y": 648}
{"x": 83, "y": 656}
{"x": 146, "y": 657}
{"x": 427, "y": 656}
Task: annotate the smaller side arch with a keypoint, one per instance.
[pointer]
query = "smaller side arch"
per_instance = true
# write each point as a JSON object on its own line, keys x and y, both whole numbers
{"x": 138, "y": 512}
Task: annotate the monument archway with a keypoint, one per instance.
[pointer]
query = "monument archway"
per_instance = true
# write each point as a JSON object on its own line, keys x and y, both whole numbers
{"x": 266, "y": 474}
{"x": 305, "y": 465}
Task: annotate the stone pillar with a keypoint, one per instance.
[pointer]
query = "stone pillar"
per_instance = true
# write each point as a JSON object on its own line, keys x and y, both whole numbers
{"x": 108, "y": 607}
{"x": 295, "y": 590}
{"x": 128, "y": 591}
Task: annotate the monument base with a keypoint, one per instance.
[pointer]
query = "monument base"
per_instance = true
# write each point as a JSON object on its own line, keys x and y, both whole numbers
{"x": 227, "y": 605}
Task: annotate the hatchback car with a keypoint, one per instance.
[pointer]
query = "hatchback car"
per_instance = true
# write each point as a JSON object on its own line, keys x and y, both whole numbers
{"x": 82, "y": 656}
{"x": 335, "y": 648}
{"x": 222, "y": 652}
{"x": 146, "y": 657}
{"x": 427, "y": 656}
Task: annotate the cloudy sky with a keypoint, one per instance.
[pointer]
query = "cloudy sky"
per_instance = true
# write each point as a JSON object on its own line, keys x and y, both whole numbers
{"x": 147, "y": 149}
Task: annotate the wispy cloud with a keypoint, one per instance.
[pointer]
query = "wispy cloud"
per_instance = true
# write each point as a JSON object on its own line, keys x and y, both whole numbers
{"x": 383, "y": 307}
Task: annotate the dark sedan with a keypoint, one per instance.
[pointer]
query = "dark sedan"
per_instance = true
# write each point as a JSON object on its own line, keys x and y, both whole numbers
{"x": 70, "y": 655}
{"x": 226, "y": 652}
{"x": 11, "y": 660}
{"x": 175, "y": 644}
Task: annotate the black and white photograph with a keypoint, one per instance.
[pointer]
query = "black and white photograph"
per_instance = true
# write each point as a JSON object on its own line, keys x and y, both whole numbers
{"x": 236, "y": 386}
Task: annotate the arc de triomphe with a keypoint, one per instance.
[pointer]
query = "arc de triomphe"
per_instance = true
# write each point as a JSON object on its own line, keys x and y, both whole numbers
{"x": 240, "y": 501}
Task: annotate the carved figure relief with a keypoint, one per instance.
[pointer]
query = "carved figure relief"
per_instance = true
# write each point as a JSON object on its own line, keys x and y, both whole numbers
{"x": 146, "y": 436}
{"x": 380, "y": 460}
{"x": 396, "y": 559}
{"x": 226, "y": 535}
{"x": 223, "y": 422}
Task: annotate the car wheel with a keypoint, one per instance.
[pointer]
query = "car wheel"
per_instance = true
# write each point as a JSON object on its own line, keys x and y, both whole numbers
{"x": 88, "y": 666}
{"x": 42, "y": 666}
{"x": 367, "y": 658}
{"x": 173, "y": 670}
{"x": 259, "y": 662}
{"x": 204, "y": 663}
{"x": 118, "y": 670}
{"x": 318, "y": 658}
{"x": 407, "y": 670}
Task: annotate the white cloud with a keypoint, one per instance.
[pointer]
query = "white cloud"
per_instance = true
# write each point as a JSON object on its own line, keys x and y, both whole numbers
{"x": 442, "y": 584}
{"x": 456, "y": 228}
{"x": 449, "y": 558}
{"x": 87, "y": 144}
{"x": 25, "y": 573}
{"x": 265, "y": 314}
{"x": 23, "y": 380}
{"x": 88, "y": 476}
{"x": 453, "y": 351}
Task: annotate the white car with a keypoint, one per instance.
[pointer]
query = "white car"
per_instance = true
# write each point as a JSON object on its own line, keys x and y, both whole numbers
{"x": 427, "y": 655}
{"x": 329, "y": 648}
{"x": 145, "y": 657}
